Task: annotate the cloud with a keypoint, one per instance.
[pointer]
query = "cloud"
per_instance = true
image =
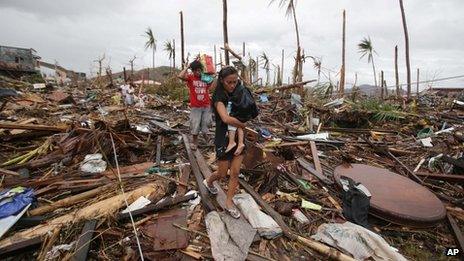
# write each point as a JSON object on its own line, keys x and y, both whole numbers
{"x": 77, "y": 32}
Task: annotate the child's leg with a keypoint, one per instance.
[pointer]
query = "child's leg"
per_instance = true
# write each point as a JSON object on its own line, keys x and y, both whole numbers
{"x": 241, "y": 143}
{"x": 231, "y": 135}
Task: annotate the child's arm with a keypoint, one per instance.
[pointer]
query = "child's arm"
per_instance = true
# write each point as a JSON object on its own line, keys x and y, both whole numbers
{"x": 222, "y": 111}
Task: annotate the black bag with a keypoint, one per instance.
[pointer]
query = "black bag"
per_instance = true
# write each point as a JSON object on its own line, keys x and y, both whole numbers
{"x": 244, "y": 107}
{"x": 355, "y": 204}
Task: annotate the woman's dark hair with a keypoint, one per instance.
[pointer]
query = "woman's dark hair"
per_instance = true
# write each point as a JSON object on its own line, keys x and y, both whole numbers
{"x": 226, "y": 71}
{"x": 196, "y": 65}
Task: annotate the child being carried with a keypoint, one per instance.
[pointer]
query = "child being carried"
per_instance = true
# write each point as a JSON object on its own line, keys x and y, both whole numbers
{"x": 242, "y": 107}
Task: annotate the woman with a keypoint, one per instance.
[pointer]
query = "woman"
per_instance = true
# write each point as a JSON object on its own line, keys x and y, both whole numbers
{"x": 227, "y": 83}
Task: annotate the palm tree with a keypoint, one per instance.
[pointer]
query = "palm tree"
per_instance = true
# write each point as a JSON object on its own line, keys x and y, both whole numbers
{"x": 169, "y": 48}
{"x": 406, "y": 46}
{"x": 151, "y": 43}
{"x": 266, "y": 66}
{"x": 365, "y": 48}
{"x": 290, "y": 11}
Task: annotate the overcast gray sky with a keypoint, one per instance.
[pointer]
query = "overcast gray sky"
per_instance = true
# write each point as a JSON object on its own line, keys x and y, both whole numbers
{"x": 75, "y": 33}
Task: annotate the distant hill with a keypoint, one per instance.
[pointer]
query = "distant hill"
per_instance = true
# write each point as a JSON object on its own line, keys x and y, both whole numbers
{"x": 159, "y": 74}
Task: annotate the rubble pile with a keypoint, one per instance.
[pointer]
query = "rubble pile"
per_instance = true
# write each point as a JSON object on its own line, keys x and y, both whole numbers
{"x": 84, "y": 176}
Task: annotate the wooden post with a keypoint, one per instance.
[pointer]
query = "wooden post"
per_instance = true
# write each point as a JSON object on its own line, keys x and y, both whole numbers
{"x": 397, "y": 79}
{"x": 224, "y": 27}
{"x": 174, "y": 53}
{"x": 125, "y": 76}
{"x": 342, "y": 70}
{"x": 182, "y": 39}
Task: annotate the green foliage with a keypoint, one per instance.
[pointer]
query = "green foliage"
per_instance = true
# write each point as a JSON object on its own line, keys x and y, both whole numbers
{"x": 172, "y": 88}
{"x": 33, "y": 78}
{"x": 380, "y": 111}
{"x": 151, "y": 41}
{"x": 365, "y": 48}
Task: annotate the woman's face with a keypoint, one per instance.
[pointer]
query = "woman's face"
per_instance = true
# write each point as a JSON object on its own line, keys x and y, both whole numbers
{"x": 230, "y": 82}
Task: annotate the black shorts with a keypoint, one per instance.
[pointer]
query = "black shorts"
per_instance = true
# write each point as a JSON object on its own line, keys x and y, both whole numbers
{"x": 222, "y": 155}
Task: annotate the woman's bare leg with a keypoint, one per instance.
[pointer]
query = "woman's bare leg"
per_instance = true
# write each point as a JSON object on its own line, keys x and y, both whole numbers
{"x": 241, "y": 143}
{"x": 233, "y": 179}
{"x": 220, "y": 173}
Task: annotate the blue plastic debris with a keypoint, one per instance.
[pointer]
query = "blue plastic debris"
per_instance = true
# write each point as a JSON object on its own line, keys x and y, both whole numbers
{"x": 12, "y": 201}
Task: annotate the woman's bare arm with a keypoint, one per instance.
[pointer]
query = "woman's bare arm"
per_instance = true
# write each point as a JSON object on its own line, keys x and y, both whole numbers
{"x": 222, "y": 111}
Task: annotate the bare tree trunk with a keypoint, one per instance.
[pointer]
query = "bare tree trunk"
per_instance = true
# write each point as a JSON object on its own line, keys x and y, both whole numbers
{"x": 417, "y": 83}
{"x": 373, "y": 68}
{"x": 174, "y": 53}
{"x": 342, "y": 71}
{"x": 243, "y": 50}
{"x": 406, "y": 45}
{"x": 220, "y": 58}
{"x": 182, "y": 39}
{"x": 381, "y": 85}
{"x": 297, "y": 76}
{"x": 153, "y": 49}
{"x": 397, "y": 79}
{"x": 224, "y": 27}
{"x": 257, "y": 68}
{"x": 282, "y": 68}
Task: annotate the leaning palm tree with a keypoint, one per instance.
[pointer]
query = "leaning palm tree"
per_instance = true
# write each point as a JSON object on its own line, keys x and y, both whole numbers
{"x": 168, "y": 47}
{"x": 365, "y": 48}
{"x": 151, "y": 43}
{"x": 266, "y": 66}
{"x": 317, "y": 65}
{"x": 290, "y": 11}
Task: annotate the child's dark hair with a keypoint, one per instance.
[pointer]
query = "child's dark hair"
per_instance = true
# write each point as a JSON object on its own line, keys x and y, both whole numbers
{"x": 196, "y": 65}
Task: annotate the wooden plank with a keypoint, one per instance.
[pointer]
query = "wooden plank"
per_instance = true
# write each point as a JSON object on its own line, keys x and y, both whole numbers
{"x": 68, "y": 201}
{"x": 83, "y": 243}
{"x": 158, "y": 150}
{"x": 20, "y": 246}
{"x": 317, "y": 162}
{"x": 205, "y": 198}
{"x": 9, "y": 172}
{"x": 163, "y": 126}
{"x": 456, "y": 231}
{"x": 305, "y": 165}
{"x": 444, "y": 177}
{"x": 16, "y": 126}
{"x": 184, "y": 171}
{"x": 157, "y": 207}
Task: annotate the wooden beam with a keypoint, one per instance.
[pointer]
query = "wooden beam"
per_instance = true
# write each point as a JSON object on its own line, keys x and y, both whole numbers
{"x": 456, "y": 231}
{"x": 184, "y": 171}
{"x": 9, "y": 172}
{"x": 158, "y": 150}
{"x": 15, "y": 126}
{"x": 443, "y": 177}
{"x": 83, "y": 243}
{"x": 156, "y": 207}
{"x": 205, "y": 198}
{"x": 68, "y": 201}
{"x": 305, "y": 165}
{"x": 317, "y": 162}
{"x": 20, "y": 246}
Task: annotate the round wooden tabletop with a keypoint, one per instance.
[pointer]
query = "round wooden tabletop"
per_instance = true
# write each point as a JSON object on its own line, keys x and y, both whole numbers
{"x": 395, "y": 198}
